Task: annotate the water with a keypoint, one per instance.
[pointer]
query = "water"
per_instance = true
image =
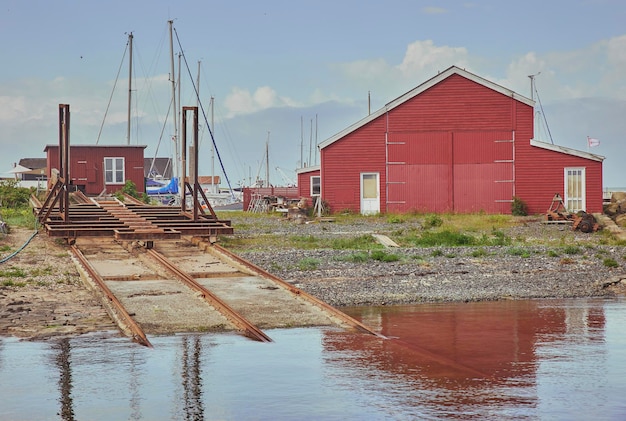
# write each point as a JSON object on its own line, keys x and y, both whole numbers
{"x": 523, "y": 360}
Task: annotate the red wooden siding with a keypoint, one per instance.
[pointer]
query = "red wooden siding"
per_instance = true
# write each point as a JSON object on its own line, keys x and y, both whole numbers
{"x": 87, "y": 166}
{"x": 540, "y": 174}
{"x": 457, "y": 144}
{"x": 360, "y": 151}
{"x": 304, "y": 184}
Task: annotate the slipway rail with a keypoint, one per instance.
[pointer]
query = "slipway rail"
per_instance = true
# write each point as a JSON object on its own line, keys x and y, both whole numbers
{"x": 116, "y": 310}
{"x": 235, "y": 318}
{"x": 223, "y": 253}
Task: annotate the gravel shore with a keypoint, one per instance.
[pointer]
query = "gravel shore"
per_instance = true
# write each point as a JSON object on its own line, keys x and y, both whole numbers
{"x": 41, "y": 294}
{"x": 573, "y": 265}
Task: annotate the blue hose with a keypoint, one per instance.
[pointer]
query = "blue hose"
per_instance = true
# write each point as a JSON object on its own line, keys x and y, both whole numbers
{"x": 12, "y": 255}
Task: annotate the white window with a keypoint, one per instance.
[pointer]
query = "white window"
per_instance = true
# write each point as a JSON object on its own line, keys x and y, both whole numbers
{"x": 316, "y": 188}
{"x": 575, "y": 189}
{"x": 114, "y": 171}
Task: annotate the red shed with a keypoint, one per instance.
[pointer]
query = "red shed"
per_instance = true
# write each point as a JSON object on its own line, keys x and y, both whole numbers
{"x": 95, "y": 168}
{"x": 309, "y": 183}
{"x": 456, "y": 143}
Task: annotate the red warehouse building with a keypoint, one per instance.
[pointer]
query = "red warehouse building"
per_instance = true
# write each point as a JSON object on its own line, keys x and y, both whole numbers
{"x": 94, "y": 168}
{"x": 456, "y": 143}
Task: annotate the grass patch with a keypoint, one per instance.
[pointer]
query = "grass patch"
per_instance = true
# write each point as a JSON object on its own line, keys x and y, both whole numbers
{"x": 13, "y": 272}
{"x": 436, "y": 253}
{"x": 12, "y": 283}
{"x": 572, "y": 250}
{"x": 480, "y": 252}
{"x": 360, "y": 257}
{"x": 383, "y": 256}
{"x": 362, "y": 242}
{"x": 19, "y": 217}
{"x": 442, "y": 238}
{"x": 553, "y": 253}
{"x": 610, "y": 262}
{"x": 308, "y": 263}
{"x": 304, "y": 241}
{"x": 519, "y": 251}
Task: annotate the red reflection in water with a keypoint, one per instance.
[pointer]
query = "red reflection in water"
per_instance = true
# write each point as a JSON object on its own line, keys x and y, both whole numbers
{"x": 474, "y": 352}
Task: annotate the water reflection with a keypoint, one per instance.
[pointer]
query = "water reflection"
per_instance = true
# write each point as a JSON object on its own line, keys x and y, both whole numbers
{"x": 455, "y": 358}
{"x": 65, "y": 379}
{"x": 192, "y": 379}
{"x": 561, "y": 359}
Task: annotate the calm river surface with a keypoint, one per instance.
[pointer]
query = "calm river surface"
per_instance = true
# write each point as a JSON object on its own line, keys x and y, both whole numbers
{"x": 521, "y": 360}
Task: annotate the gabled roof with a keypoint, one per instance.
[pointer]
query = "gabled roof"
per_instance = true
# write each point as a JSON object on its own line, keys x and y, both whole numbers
{"x": 421, "y": 88}
{"x": 565, "y": 150}
{"x": 34, "y": 163}
{"x": 305, "y": 170}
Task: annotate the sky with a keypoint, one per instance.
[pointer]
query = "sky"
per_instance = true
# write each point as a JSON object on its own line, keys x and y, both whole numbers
{"x": 286, "y": 75}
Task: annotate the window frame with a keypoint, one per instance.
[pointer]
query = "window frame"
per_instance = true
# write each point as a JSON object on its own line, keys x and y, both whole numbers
{"x": 114, "y": 171}
{"x": 319, "y": 186}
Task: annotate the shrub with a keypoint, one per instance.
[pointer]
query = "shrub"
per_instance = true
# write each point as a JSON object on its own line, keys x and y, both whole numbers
{"x": 519, "y": 207}
{"x": 383, "y": 256}
{"x": 12, "y": 196}
{"x": 432, "y": 221}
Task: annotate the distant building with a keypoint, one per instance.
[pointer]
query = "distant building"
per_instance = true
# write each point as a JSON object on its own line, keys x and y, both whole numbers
{"x": 157, "y": 168}
{"x": 95, "y": 169}
{"x": 209, "y": 184}
{"x": 38, "y": 169}
{"x": 456, "y": 143}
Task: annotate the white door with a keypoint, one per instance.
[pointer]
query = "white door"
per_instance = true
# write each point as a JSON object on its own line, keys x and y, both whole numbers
{"x": 575, "y": 189}
{"x": 370, "y": 194}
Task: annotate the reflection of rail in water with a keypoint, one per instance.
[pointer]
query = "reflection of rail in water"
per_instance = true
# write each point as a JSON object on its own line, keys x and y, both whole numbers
{"x": 232, "y": 262}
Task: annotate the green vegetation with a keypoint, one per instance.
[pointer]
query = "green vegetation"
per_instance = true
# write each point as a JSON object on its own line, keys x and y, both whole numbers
{"x": 13, "y": 272}
{"x": 308, "y": 263}
{"x": 19, "y": 217}
{"x": 361, "y": 242}
{"x": 610, "y": 263}
{"x": 12, "y": 196}
{"x": 519, "y": 207}
{"x": 383, "y": 256}
{"x": 131, "y": 189}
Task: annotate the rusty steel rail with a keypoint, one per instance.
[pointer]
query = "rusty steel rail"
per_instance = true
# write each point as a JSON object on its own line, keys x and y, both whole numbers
{"x": 217, "y": 249}
{"x": 136, "y": 332}
{"x": 235, "y": 318}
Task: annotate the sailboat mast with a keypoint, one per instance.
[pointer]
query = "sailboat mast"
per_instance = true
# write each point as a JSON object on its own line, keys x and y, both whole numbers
{"x": 174, "y": 108}
{"x": 130, "y": 84}
{"x": 267, "y": 160}
{"x": 215, "y": 190}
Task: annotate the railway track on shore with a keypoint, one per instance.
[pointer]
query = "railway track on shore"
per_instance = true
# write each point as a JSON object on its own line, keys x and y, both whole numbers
{"x": 190, "y": 285}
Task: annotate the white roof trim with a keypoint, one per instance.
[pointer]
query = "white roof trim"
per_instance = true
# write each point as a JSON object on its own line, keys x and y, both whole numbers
{"x": 308, "y": 169}
{"x": 565, "y": 150}
{"x": 421, "y": 88}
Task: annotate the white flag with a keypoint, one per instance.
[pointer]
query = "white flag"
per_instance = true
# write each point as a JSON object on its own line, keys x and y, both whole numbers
{"x": 591, "y": 142}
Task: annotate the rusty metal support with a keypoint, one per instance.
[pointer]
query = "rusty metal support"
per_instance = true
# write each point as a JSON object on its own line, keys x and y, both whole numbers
{"x": 218, "y": 250}
{"x": 193, "y": 185}
{"x": 235, "y": 318}
{"x": 124, "y": 320}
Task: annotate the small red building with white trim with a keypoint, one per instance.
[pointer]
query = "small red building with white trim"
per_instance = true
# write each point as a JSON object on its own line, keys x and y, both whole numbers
{"x": 97, "y": 168}
{"x": 456, "y": 143}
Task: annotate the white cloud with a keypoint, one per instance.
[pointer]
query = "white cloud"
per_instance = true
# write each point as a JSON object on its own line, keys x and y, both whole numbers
{"x": 241, "y": 101}
{"x": 425, "y": 56}
{"x": 434, "y": 10}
